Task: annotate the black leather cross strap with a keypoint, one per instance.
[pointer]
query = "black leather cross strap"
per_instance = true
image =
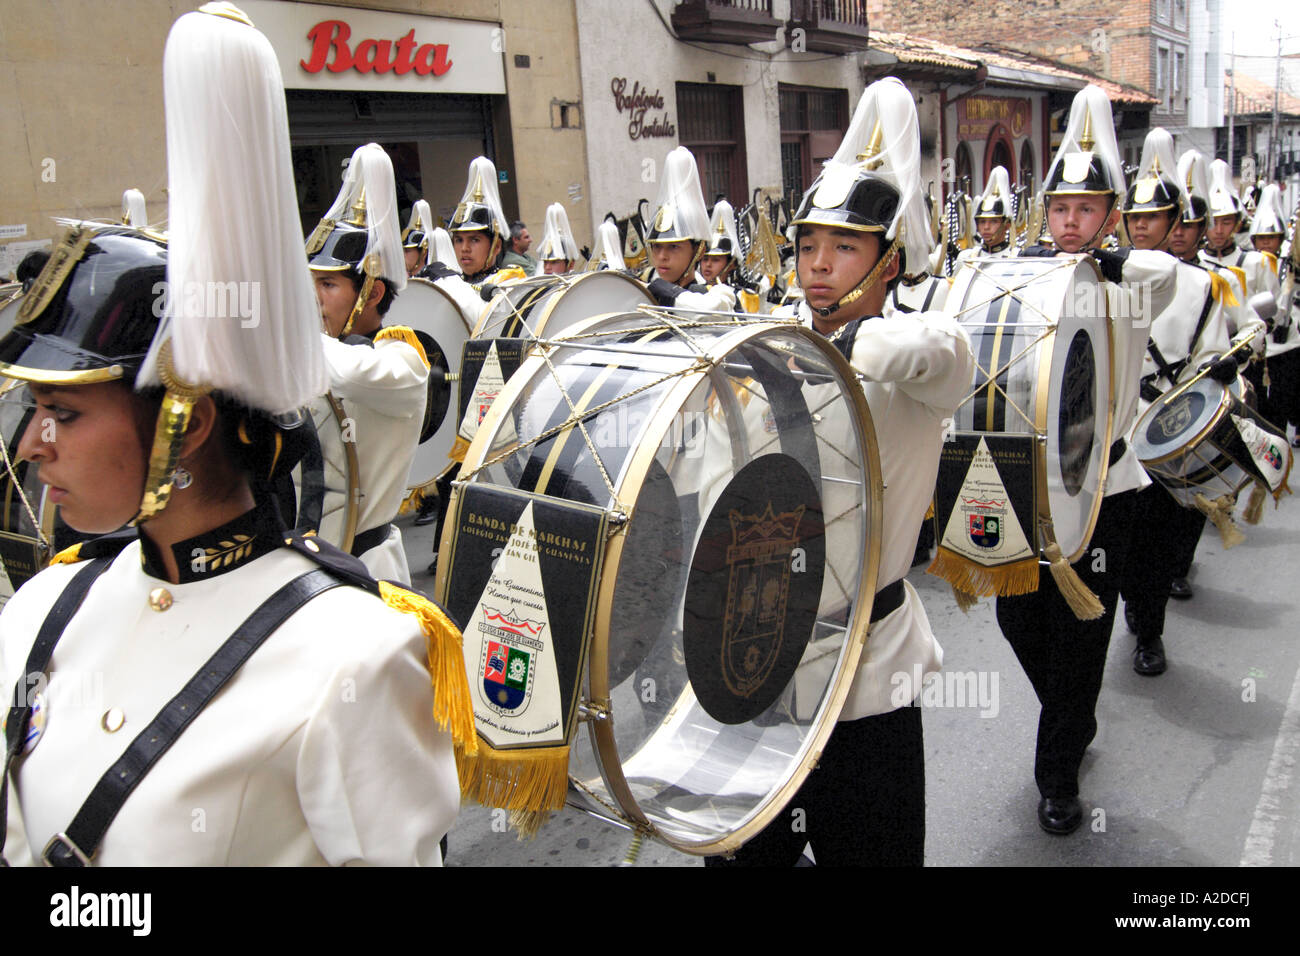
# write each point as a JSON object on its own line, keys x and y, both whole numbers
{"x": 38, "y": 659}
{"x": 366, "y": 540}
{"x": 888, "y": 600}
{"x": 77, "y": 845}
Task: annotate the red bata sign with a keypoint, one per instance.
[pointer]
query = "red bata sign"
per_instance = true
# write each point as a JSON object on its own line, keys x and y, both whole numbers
{"x": 378, "y": 56}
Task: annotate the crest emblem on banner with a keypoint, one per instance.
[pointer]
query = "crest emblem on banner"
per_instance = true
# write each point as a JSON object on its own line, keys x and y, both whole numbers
{"x": 757, "y": 593}
{"x": 985, "y": 530}
{"x": 508, "y": 659}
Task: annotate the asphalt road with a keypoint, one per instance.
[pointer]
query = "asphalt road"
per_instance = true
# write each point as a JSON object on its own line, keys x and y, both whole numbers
{"x": 1200, "y": 766}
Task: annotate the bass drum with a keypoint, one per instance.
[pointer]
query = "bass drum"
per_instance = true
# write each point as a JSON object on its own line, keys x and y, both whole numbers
{"x": 541, "y": 306}
{"x": 738, "y": 466}
{"x": 443, "y": 330}
{"x": 1028, "y": 461}
{"x": 326, "y": 479}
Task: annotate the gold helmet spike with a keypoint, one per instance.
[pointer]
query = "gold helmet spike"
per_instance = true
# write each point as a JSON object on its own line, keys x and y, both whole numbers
{"x": 358, "y": 217}
{"x": 873, "y": 147}
{"x": 227, "y": 10}
{"x": 1086, "y": 142}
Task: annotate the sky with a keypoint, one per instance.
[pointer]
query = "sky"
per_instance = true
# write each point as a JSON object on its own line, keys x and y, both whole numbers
{"x": 1252, "y": 22}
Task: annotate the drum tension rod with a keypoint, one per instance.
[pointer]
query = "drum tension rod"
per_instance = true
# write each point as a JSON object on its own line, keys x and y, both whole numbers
{"x": 590, "y": 710}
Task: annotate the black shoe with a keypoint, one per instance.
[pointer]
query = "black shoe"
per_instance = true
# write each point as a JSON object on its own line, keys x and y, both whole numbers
{"x": 1060, "y": 815}
{"x": 1129, "y": 618}
{"x": 1149, "y": 657}
{"x": 428, "y": 512}
{"x": 1180, "y": 589}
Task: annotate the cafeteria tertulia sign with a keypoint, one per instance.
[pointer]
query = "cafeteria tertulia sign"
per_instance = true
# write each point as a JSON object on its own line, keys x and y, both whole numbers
{"x": 637, "y": 104}
{"x": 345, "y": 48}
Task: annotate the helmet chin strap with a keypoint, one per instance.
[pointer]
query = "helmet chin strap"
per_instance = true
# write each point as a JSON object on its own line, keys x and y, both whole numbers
{"x": 695, "y": 259}
{"x": 169, "y": 433}
{"x": 860, "y": 289}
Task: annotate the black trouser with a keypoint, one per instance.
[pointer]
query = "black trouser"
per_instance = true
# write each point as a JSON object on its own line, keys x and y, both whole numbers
{"x": 864, "y": 805}
{"x": 1064, "y": 657}
{"x": 1280, "y": 402}
{"x": 1163, "y": 543}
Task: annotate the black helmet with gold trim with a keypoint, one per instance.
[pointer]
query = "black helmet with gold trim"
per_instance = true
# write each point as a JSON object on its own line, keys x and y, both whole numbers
{"x": 1156, "y": 188}
{"x": 1087, "y": 162}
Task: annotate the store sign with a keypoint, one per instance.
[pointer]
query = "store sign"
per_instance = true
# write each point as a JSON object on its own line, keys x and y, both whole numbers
{"x": 344, "y": 48}
{"x": 977, "y": 115}
{"x": 637, "y": 104}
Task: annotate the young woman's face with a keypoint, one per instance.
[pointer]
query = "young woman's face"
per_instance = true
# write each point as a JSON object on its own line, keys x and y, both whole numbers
{"x": 86, "y": 441}
{"x": 714, "y": 268}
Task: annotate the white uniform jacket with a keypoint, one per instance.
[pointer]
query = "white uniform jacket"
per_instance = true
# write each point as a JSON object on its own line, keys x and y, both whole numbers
{"x": 925, "y": 293}
{"x": 1261, "y": 276}
{"x": 321, "y": 749}
{"x": 917, "y": 368}
{"x": 383, "y": 391}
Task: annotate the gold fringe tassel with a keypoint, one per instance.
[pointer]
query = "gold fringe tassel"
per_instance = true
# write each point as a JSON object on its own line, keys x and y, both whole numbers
{"x": 458, "y": 450}
{"x": 965, "y": 600}
{"x": 531, "y": 782}
{"x": 963, "y": 574}
{"x": 452, "y": 708}
{"x": 1082, "y": 601}
{"x": 1219, "y": 511}
{"x": 403, "y": 334}
{"x": 1255, "y": 504}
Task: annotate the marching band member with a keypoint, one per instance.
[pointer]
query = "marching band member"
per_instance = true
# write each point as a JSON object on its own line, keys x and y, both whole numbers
{"x": 679, "y": 235}
{"x": 224, "y": 743}
{"x": 442, "y": 251}
{"x": 558, "y": 252}
{"x": 865, "y": 802}
{"x": 1187, "y": 335}
{"x": 479, "y": 231}
{"x": 1063, "y": 656}
{"x": 415, "y": 238}
{"x": 993, "y": 218}
{"x": 1227, "y": 217}
{"x": 381, "y": 375}
{"x": 1280, "y": 402}
{"x": 721, "y": 260}
{"x": 608, "y": 247}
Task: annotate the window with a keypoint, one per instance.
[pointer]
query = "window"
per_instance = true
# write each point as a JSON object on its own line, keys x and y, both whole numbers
{"x": 1180, "y": 14}
{"x": 1179, "y": 84}
{"x": 813, "y": 122}
{"x": 1162, "y": 11}
{"x": 712, "y": 127}
{"x": 1162, "y": 78}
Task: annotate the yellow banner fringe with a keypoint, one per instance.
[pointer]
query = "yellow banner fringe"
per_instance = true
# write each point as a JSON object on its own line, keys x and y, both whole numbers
{"x": 1020, "y": 577}
{"x": 458, "y": 450}
{"x": 452, "y": 708}
{"x": 1085, "y": 605}
{"x": 414, "y": 498}
{"x": 1255, "y": 504}
{"x": 531, "y": 782}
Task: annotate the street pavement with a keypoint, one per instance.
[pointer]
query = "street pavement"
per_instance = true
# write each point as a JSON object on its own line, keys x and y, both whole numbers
{"x": 1197, "y": 767}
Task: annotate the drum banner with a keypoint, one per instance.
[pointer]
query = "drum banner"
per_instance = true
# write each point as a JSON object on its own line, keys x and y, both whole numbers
{"x": 20, "y": 558}
{"x": 1269, "y": 453}
{"x": 486, "y": 365}
{"x": 524, "y": 575}
{"x": 985, "y": 510}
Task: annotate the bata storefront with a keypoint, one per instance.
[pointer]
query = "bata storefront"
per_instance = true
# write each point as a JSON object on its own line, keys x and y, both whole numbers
{"x": 430, "y": 90}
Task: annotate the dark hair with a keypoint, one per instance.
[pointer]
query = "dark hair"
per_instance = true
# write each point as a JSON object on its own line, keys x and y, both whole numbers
{"x": 358, "y": 280}
{"x": 517, "y": 229}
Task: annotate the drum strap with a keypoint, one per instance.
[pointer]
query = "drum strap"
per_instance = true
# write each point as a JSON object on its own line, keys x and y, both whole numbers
{"x": 888, "y": 600}
{"x": 75, "y": 846}
{"x": 366, "y": 540}
{"x": 38, "y": 659}
{"x": 1171, "y": 370}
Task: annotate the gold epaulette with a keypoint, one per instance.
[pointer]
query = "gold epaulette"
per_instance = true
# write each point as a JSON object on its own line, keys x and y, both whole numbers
{"x": 1221, "y": 289}
{"x": 749, "y": 301}
{"x": 403, "y": 334}
{"x": 68, "y": 556}
{"x": 1270, "y": 259}
{"x": 1240, "y": 273}
{"x": 506, "y": 274}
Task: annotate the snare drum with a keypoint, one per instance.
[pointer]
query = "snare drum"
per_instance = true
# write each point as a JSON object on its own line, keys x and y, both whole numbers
{"x": 734, "y": 467}
{"x": 1026, "y": 465}
{"x": 1201, "y": 438}
{"x": 443, "y": 330}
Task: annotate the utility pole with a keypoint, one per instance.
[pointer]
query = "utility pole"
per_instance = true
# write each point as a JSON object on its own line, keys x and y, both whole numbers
{"x": 1277, "y": 86}
{"x": 1232, "y": 103}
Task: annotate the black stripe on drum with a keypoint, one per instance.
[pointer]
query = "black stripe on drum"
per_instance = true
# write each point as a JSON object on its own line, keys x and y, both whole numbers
{"x": 1005, "y": 348}
{"x": 990, "y": 413}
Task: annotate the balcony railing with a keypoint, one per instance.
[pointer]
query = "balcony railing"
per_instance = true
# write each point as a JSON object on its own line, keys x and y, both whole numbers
{"x": 725, "y": 21}
{"x": 830, "y": 26}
